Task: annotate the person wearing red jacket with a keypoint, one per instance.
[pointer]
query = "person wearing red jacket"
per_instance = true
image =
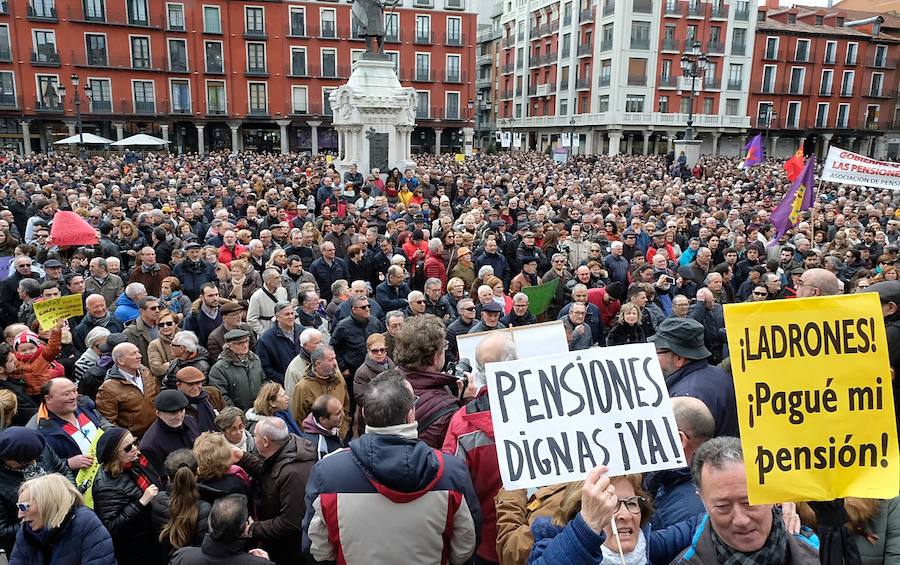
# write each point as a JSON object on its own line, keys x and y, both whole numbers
{"x": 470, "y": 436}
{"x": 434, "y": 263}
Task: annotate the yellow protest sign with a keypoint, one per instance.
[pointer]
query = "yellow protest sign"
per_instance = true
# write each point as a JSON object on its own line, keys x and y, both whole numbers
{"x": 460, "y": 157}
{"x": 49, "y": 311}
{"x": 815, "y": 406}
{"x": 329, "y": 159}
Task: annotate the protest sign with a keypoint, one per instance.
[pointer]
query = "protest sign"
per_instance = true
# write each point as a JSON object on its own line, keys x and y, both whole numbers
{"x": 815, "y": 406}
{"x": 847, "y": 167}
{"x": 531, "y": 341}
{"x": 556, "y": 417}
{"x": 459, "y": 157}
{"x": 49, "y": 311}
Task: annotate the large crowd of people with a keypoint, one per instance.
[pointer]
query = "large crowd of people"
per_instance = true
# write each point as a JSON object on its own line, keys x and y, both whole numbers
{"x": 267, "y": 369}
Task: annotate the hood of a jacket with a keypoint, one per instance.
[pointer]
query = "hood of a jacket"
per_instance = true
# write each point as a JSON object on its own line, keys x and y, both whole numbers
{"x": 296, "y": 450}
{"x": 669, "y": 477}
{"x": 399, "y": 468}
{"x": 123, "y": 300}
{"x": 310, "y": 426}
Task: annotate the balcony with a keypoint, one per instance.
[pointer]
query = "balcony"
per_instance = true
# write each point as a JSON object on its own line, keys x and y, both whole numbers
{"x": 642, "y": 43}
{"x": 880, "y": 93}
{"x": 48, "y": 105}
{"x": 583, "y": 84}
{"x": 642, "y": 6}
{"x": 45, "y": 56}
{"x": 825, "y": 90}
{"x": 256, "y": 72}
{"x": 255, "y": 34}
{"x": 739, "y": 49}
{"x": 715, "y": 47}
{"x": 735, "y": 84}
{"x": 586, "y": 15}
{"x": 215, "y": 67}
{"x": 216, "y": 110}
{"x": 5, "y": 55}
{"x": 673, "y": 9}
{"x": 330, "y": 71}
{"x": 714, "y": 83}
{"x": 506, "y": 94}
{"x": 100, "y": 106}
{"x": 9, "y": 101}
{"x": 668, "y": 82}
{"x": 42, "y": 13}
{"x": 420, "y": 75}
{"x": 328, "y": 30}
{"x": 585, "y": 50}
{"x": 882, "y": 63}
{"x": 696, "y": 10}
{"x": 671, "y": 44}
{"x": 637, "y": 80}
{"x": 609, "y": 8}
{"x": 773, "y": 55}
{"x": 798, "y": 90}
{"x": 296, "y": 29}
{"x": 802, "y": 57}
{"x": 392, "y": 36}
{"x": 606, "y": 45}
{"x": 631, "y": 119}
{"x": 455, "y": 77}
{"x": 742, "y": 15}
{"x": 534, "y": 32}
{"x": 719, "y": 11}
{"x": 846, "y": 92}
{"x": 424, "y": 38}
{"x": 851, "y": 61}
{"x": 509, "y": 41}
{"x": 178, "y": 66}
{"x": 454, "y": 40}
{"x": 121, "y": 62}
{"x": 258, "y": 112}
{"x": 508, "y": 68}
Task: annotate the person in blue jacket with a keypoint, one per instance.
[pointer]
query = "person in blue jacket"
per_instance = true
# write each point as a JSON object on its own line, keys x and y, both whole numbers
{"x": 57, "y": 528}
{"x": 581, "y": 530}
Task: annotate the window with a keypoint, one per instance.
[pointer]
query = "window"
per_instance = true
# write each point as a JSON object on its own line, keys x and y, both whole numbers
{"x": 768, "y": 84}
{"x": 423, "y": 29}
{"x": 297, "y": 21}
{"x": 394, "y": 56}
{"x": 254, "y": 21}
{"x": 41, "y": 9}
{"x": 45, "y": 47}
{"x": 175, "y": 16}
{"x": 329, "y": 63}
{"x": 735, "y": 76}
{"x": 802, "y": 53}
{"x": 48, "y": 95}
{"x": 793, "y": 115}
{"x": 520, "y": 58}
{"x": 326, "y": 22}
{"x": 764, "y": 114}
{"x": 566, "y": 45}
{"x": 178, "y": 62}
{"x": 423, "y": 67}
{"x": 605, "y": 72}
{"x": 739, "y": 42}
{"x": 392, "y": 27}
{"x": 94, "y": 10}
{"x": 423, "y": 104}
{"x": 214, "y": 60}
{"x": 140, "y": 52}
{"x": 181, "y": 96}
{"x": 5, "y": 51}
{"x": 637, "y": 72}
{"x": 606, "y": 37}
{"x": 453, "y": 73}
{"x": 212, "y": 21}
{"x": 843, "y": 115}
{"x": 830, "y": 52}
{"x": 326, "y": 101}
{"x": 451, "y": 112}
{"x": 664, "y": 104}
{"x": 877, "y": 84}
{"x": 634, "y": 103}
{"x": 256, "y": 57}
{"x": 822, "y": 115}
{"x": 640, "y": 35}
{"x": 215, "y": 97}
{"x": 685, "y": 107}
{"x": 847, "y": 83}
{"x": 826, "y": 82}
{"x": 872, "y": 111}
{"x": 7, "y": 89}
{"x": 771, "y": 48}
{"x": 852, "y": 50}
{"x": 299, "y": 100}
{"x": 298, "y": 61}
{"x": 732, "y": 106}
{"x": 95, "y": 45}
{"x": 880, "y": 59}
{"x": 797, "y": 76}
{"x": 563, "y": 106}
{"x": 603, "y": 103}
{"x": 144, "y": 97}
{"x": 100, "y": 99}
{"x": 259, "y": 99}
{"x": 137, "y": 12}
{"x": 708, "y": 106}
{"x": 454, "y": 31}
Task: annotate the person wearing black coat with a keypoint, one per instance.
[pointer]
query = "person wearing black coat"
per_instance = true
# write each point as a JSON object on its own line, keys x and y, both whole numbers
{"x": 123, "y": 489}
{"x": 193, "y": 272}
{"x": 228, "y": 539}
{"x": 350, "y": 335}
{"x": 23, "y": 454}
{"x": 172, "y": 430}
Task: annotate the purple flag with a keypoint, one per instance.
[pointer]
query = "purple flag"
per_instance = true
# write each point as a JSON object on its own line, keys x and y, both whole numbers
{"x": 799, "y": 197}
{"x": 755, "y": 153}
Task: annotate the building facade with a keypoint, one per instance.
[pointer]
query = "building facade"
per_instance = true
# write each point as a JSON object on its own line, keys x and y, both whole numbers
{"x": 221, "y": 74}
{"x": 609, "y": 74}
{"x": 823, "y": 75}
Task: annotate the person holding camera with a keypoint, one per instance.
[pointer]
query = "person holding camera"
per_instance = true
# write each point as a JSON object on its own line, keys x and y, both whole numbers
{"x": 419, "y": 354}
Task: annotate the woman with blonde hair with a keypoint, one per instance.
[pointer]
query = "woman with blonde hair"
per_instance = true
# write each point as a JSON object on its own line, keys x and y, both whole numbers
{"x": 272, "y": 400}
{"x": 278, "y": 260}
{"x": 242, "y": 283}
{"x": 57, "y": 527}
{"x": 627, "y": 328}
{"x": 8, "y": 407}
{"x": 159, "y": 351}
{"x": 216, "y": 476}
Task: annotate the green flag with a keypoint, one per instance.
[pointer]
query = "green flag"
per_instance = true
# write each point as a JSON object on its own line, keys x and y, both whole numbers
{"x": 540, "y": 296}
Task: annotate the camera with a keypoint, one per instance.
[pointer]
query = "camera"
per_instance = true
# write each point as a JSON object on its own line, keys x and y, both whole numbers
{"x": 459, "y": 370}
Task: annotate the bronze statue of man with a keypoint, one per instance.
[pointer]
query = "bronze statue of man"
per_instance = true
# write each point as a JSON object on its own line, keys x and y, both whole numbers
{"x": 369, "y": 18}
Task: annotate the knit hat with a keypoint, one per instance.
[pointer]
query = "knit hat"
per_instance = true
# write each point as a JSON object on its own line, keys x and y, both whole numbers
{"x": 20, "y": 444}
{"x": 26, "y": 337}
{"x": 108, "y": 442}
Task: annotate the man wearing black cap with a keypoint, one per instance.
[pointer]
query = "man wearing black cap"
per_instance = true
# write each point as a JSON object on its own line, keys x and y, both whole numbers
{"x": 490, "y": 318}
{"x": 53, "y": 271}
{"x": 172, "y": 430}
{"x": 193, "y": 272}
{"x": 682, "y": 357}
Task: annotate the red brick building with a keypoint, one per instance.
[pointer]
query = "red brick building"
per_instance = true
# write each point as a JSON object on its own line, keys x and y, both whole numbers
{"x": 821, "y": 72}
{"x": 217, "y": 74}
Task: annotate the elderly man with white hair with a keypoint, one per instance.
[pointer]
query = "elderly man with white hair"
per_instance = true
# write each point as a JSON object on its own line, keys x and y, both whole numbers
{"x": 97, "y": 315}
{"x": 310, "y": 339}
{"x": 126, "y": 396}
{"x": 126, "y": 309}
{"x": 186, "y": 352}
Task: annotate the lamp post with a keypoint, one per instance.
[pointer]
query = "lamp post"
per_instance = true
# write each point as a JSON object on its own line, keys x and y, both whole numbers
{"x": 693, "y": 65}
{"x": 572, "y": 137}
{"x": 771, "y": 116}
{"x": 76, "y": 99}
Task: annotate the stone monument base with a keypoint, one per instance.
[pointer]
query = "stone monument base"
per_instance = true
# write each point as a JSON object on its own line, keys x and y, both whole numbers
{"x": 374, "y": 117}
{"x": 691, "y": 150}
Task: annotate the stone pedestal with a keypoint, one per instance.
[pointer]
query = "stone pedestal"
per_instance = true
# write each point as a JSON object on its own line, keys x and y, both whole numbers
{"x": 374, "y": 116}
{"x": 691, "y": 150}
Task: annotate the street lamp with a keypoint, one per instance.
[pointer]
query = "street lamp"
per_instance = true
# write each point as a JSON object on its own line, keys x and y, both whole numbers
{"x": 693, "y": 65}
{"x": 76, "y": 99}
{"x": 771, "y": 116}
{"x": 572, "y": 137}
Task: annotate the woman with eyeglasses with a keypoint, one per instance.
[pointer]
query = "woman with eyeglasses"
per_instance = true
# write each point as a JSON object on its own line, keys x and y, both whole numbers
{"x": 377, "y": 361}
{"x": 57, "y": 527}
{"x": 758, "y": 294}
{"x": 159, "y": 351}
{"x": 634, "y": 543}
{"x": 123, "y": 489}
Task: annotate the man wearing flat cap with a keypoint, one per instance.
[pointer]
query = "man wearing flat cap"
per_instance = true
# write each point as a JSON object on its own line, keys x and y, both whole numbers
{"x": 490, "y": 318}
{"x": 172, "y": 430}
{"x": 232, "y": 313}
{"x": 683, "y": 359}
{"x": 238, "y": 374}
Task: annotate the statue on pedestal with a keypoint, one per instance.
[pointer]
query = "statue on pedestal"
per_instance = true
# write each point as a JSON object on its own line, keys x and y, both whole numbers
{"x": 368, "y": 16}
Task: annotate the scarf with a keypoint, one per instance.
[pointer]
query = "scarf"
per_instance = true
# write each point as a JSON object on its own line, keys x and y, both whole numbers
{"x": 409, "y": 431}
{"x": 143, "y": 474}
{"x": 637, "y": 556}
{"x": 172, "y": 302}
{"x": 289, "y": 420}
{"x": 102, "y": 321}
{"x": 237, "y": 289}
{"x": 151, "y": 269}
{"x": 775, "y": 549}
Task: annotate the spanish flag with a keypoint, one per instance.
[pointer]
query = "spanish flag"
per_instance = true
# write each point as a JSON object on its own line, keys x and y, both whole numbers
{"x": 794, "y": 166}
